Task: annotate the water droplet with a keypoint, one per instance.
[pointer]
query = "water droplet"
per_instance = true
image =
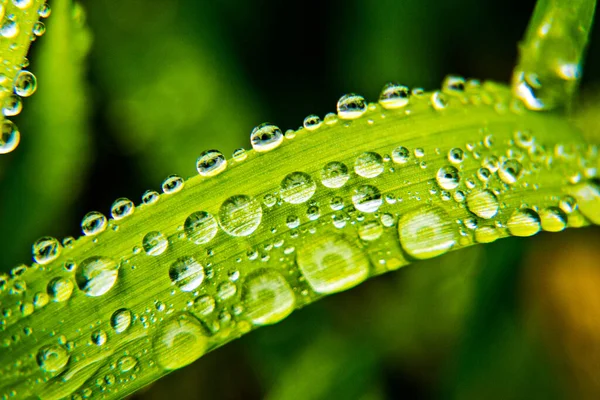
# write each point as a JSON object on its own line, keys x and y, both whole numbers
{"x": 369, "y": 165}
{"x": 22, "y": 4}
{"x": 40, "y": 299}
{"x": 240, "y": 154}
{"x": 99, "y": 337}
{"x": 96, "y": 275}
{"x": 453, "y": 84}
{"x": 400, "y": 155}
{"x": 200, "y": 227}
{"x": 126, "y": 363}
{"x": 553, "y": 219}
{"x": 211, "y": 163}
{"x": 483, "y": 174}
{"x": 172, "y": 184}
{"x": 155, "y": 243}
{"x": 9, "y": 137}
{"x": 523, "y": 223}
{"x": 292, "y": 221}
{"x": 186, "y": 273}
{"x": 46, "y": 249}
{"x": 60, "y": 289}
{"x": 267, "y": 297}
{"x": 9, "y": 29}
{"x": 120, "y": 320}
{"x": 486, "y": 234}
{"x": 331, "y": 263}
{"x": 351, "y": 106}
{"x": 52, "y": 358}
{"x": 25, "y": 83}
{"x": 484, "y": 204}
{"x": 240, "y": 215}
{"x": 204, "y": 305}
{"x": 510, "y": 171}
{"x": 394, "y": 96}
{"x": 426, "y": 232}
{"x": 122, "y": 208}
{"x": 312, "y": 122}
{"x": 44, "y": 11}
{"x": 150, "y": 197}
{"x": 439, "y": 100}
{"x": 367, "y": 199}
{"x": 370, "y": 230}
{"x": 456, "y": 155}
{"x": 588, "y": 199}
{"x": 266, "y": 137}
{"x": 93, "y": 223}
{"x": 297, "y": 188}
{"x": 334, "y": 175}
{"x": 12, "y": 105}
{"x": 491, "y": 163}
{"x": 448, "y": 177}
{"x": 179, "y": 341}
{"x": 419, "y": 152}
{"x": 39, "y": 29}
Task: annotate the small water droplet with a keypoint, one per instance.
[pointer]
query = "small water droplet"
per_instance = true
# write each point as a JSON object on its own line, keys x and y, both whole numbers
{"x": 334, "y": 175}
{"x": 155, "y": 243}
{"x": 456, "y": 155}
{"x": 204, "y": 305}
{"x": 22, "y": 4}
{"x": 553, "y": 219}
{"x": 370, "y": 230}
{"x": 126, "y": 363}
{"x": 99, "y": 337}
{"x": 52, "y": 358}
{"x": 394, "y": 96}
{"x": 25, "y": 84}
{"x": 448, "y": 177}
{"x": 484, "y": 204}
{"x": 267, "y": 297}
{"x": 150, "y": 197}
{"x": 200, "y": 227}
{"x": 240, "y": 154}
{"x": 12, "y": 105}
{"x": 367, "y": 199}
{"x": 46, "y": 249}
{"x": 525, "y": 222}
{"x": 93, "y": 223}
{"x": 211, "y": 163}
{"x": 486, "y": 234}
{"x": 9, "y": 29}
{"x": 266, "y": 137}
{"x": 60, "y": 289}
{"x": 312, "y": 122}
{"x": 240, "y": 215}
{"x": 453, "y": 84}
{"x": 369, "y": 165}
{"x": 510, "y": 171}
{"x": 297, "y": 188}
{"x": 172, "y": 184}
{"x": 39, "y": 29}
{"x": 186, "y": 273}
{"x": 400, "y": 155}
{"x": 426, "y": 232}
{"x": 121, "y": 208}
{"x": 9, "y": 137}
{"x": 351, "y": 106}
{"x": 96, "y": 275}
{"x": 439, "y": 100}
{"x": 120, "y": 320}
{"x": 44, "y": 11}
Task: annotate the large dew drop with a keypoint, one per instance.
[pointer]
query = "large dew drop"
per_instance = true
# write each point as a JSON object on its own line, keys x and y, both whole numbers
{"x": 369, "y": 165}
{"x": 525, "y": 222}
{"x": 448, "y": 177}
{"x": 186, "y": 273}
{"x": 426, "y": 232}
{"x": 122, "y": 208}
{"x": 394, "y": 96}
{"x": 266, "y": 137}
{"x": 297, "y": 188}
{"x": 46, "y": 249}
{"x": 240, "y": 215}
{"x": 9, "y": 137}
{"x": 553, "y": 219}
{"x": 52, "y": 358}
{"x": 96, "y": 275}
{"x": 93, "y": 223}
{"x": 120, "y": 320}
{"x": 331, "y": 263}
{"x": 484, "y": 204}
{"x": 172, "y": 184}
{"x": 267, "y": 297}
{"x": 351, "y": 106}
{"x": 367, "y": 199}
{"x": 200, "y": 227}
{"x": 178, "y": 342}
{"x": 510, "y": 171}
{"x": 60, "y": 289}
{"x": 210, "y": 163}
{"x": 25, "y": 84}
{"x": 155, "y": 243}
{"x": 334, "y": 175}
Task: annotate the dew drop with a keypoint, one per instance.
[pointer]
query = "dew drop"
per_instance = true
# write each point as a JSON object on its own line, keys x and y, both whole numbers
{"x": 370, "y": 230}
{"x": 22, "y": 4}
{"x": 155, "y": 243}
{"x": 46, "y": 249}
{"x": 179, "y": 341}
{"x": 150, "y": 197}
{"x": 172, "y": 184}
{"x": 204, "y": 305}
{"x": 448, "y": 177}
{"x": 439, "y": 100}
{"x": 486, "y": 234}
{"x": 52, "y": 358}
{"x": 120, "y": 320}
{"x": 9, "y": 29}
{"x": 211, "y": 163}
{"x": 25, "y": 84}
{"x": 297, "y": 188}
{"x": 331, "y": 263}
{"x": 96, "y": 275}
{"x": 267, "y": 297}
{"x": 523, "y": 223}
{"x": 126, "y": 363}
{"x": 351, "y": 106}
{"x": 453, "y": 84}
{"x": 588, "y": 199}
{"x": 12, "y": 105}
{"x": 44, "y": 11}
{"x": 99, "y": 337}
{"x": 186, "y": 273}
{"x": 39, "y": 29}
{"x": 400, "y": 155}
{"x": 200, "y": 227}
{"x": 240, "y": 215}
{"x": 266, "y": 137}
{"x": 456, "y": 155}
{"x": 93, "y": 223}
{"x": 484, "y": 204}
{"x": 312, "y": 122}
{"x": 334, "y": 175}
{"x": 9, "y": 137}
{"x": 394, "y": 96}
{"x": 553, "y": 219}
{"x": 60, "y": 289}
{"x": 240, "y": 154}
{"x": 121, "y": 208}
{"x": 369, "y": 165}
{"x": 510, "y": 171}
{"x": 426, "y": 232}
{"x": 367, "y": 199}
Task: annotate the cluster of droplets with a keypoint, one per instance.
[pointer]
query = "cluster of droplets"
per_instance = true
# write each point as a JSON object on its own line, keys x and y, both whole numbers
{"x": 24, "y": 83}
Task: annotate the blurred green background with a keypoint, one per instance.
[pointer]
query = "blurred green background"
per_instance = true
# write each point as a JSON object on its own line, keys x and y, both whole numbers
{"x": 131, "y": 91}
